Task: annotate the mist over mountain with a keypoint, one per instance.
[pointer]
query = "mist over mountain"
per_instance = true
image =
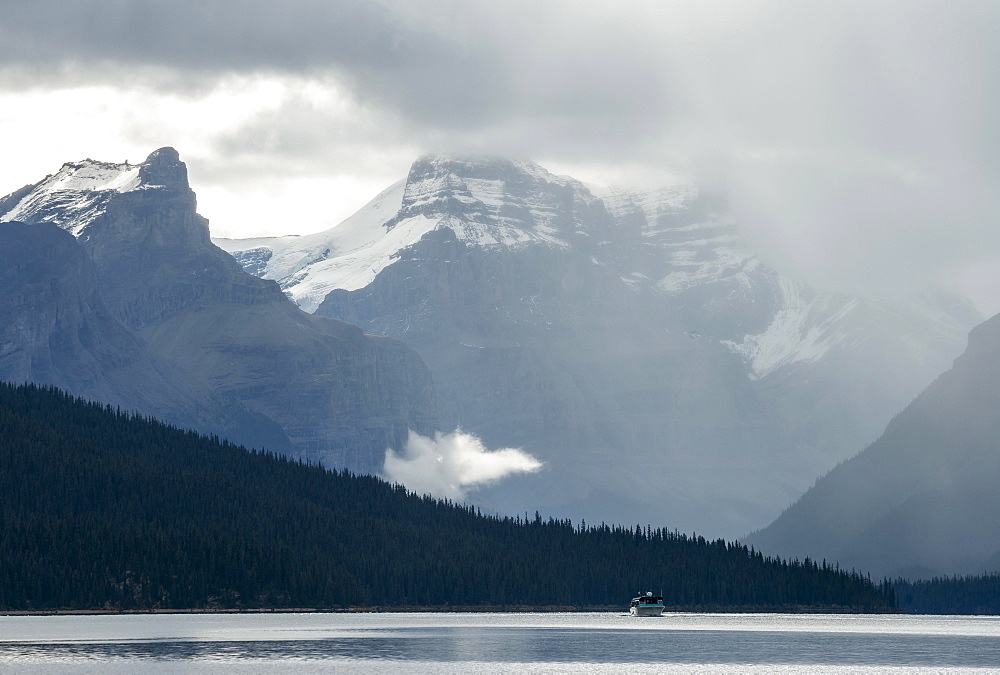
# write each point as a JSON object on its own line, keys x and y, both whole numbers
{"x": 142, "y": 310}
{"x": 630, "y": 341}
{"x": 921, "y": 500}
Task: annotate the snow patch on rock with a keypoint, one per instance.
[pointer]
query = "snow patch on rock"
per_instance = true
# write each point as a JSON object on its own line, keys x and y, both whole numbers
{"x": 800, "y": 331}
{"x": 77, "y": 194}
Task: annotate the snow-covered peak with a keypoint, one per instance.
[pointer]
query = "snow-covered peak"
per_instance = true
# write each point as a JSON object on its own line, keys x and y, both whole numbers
{"x": 461, "y": 168}
{"x": 78, "y": 193}
{"x": 90, "y": 175}
{"x": 488, "y": 203}
{"x": 497, "y": 202}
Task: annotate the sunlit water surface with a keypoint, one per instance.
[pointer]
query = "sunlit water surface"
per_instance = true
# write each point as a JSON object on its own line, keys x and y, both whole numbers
{"x": 453, "y": 642}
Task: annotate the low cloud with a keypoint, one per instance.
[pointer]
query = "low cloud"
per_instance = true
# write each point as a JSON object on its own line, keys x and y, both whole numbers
{"x": 449, "y": 465}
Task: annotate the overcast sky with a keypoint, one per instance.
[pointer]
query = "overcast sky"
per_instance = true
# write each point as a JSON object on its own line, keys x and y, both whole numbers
{"x": 859, "y": 141}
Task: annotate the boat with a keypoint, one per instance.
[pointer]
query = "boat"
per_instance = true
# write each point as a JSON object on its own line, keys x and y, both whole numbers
{"x": 646, "y": 605}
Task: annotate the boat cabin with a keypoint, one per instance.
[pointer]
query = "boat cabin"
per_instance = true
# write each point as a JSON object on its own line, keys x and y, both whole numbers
{"x": 648, "y": 599}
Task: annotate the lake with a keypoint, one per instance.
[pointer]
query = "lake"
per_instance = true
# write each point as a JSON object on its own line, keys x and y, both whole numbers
{"x": 483, "y": 642}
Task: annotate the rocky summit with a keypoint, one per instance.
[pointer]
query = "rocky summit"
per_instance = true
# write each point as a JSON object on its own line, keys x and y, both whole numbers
{"x": 631, "y": 341}
{"x": 173, "y": 301}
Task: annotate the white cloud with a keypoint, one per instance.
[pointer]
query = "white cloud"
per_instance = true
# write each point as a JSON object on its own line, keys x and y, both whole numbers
{"x": 449, "y": 465}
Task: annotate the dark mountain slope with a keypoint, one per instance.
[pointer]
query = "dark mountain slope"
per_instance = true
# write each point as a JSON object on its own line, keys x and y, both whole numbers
{"x": 921, "y": 500}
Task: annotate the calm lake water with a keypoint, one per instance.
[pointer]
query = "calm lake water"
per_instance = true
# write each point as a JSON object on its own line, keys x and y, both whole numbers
{"x": 440, "y": 642}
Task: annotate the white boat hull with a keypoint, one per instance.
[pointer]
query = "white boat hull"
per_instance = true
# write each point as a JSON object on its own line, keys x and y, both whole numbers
{"x": 646, "y": 610}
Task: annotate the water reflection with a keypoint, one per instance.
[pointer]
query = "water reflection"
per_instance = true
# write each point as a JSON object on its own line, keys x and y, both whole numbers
{"x": 506, "y": 645}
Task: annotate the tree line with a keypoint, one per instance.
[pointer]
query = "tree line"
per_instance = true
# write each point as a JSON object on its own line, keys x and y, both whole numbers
{"x": 104, "y": 508}
{"x": 951, "y": 595}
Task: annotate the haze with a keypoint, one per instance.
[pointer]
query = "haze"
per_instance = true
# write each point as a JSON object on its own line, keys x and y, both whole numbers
{"x": 857, "y": 142}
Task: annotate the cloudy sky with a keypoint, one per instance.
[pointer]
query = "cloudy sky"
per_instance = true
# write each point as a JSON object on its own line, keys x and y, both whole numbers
{"x": 859, "y": 142}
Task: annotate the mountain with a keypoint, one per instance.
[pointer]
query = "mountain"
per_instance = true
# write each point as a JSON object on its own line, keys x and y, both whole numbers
{"x": 339, "y": 396}
{"x": 547, "y": 210}
{"x": 921, "y": 500}
{"x": 106, "y": 510}
{"x": 631, "y": 341}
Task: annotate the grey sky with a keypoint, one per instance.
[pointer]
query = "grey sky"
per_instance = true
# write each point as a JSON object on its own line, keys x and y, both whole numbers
{"x": 859, "y": 141}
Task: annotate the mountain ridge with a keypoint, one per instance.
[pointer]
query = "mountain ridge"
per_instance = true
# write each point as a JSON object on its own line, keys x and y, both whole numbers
{"x": 921, "y": 500}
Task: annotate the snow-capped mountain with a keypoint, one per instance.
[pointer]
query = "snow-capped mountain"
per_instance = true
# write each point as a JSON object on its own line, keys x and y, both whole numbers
{"x": 617, "y": 336}
{"x": 166, "y": 301}
{"x": 483, "y": 211}
{"x": 677, "y": 243}
{"x": 81, "y": 193}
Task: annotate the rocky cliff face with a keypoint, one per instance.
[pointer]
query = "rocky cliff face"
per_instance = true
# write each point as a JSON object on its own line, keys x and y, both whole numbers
{"x": 922, "y": 500}
{"x": 57, "y": 330}
{"x": 631, "y": 341}
{"x": 341, "y": 397}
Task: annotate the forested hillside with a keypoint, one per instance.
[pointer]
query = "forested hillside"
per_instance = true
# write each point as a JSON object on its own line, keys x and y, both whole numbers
{"x": 102, "y": 508}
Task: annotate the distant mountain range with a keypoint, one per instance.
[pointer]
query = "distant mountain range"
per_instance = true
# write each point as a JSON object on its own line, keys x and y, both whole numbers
{"x": 922, "y": 500}
{"x": 113, "y": 290}
{"x": 631, "y": 341}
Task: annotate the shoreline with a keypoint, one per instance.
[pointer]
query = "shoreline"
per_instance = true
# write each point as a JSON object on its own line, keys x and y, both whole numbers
{"x": 451, "y": 609}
